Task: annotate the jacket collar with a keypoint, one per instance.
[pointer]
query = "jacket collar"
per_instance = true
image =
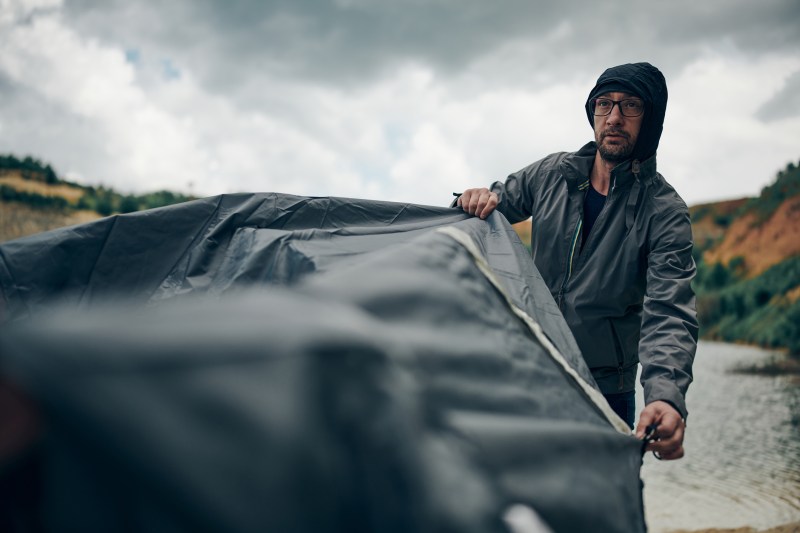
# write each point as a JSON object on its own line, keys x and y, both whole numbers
{"x": 577, "y": 166}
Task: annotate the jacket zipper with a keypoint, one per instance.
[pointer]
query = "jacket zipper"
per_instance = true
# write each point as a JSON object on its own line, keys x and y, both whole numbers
{"x": 571, "y": 258}
{"x": 574, "y": 246}
{"x": 620, "y": 355}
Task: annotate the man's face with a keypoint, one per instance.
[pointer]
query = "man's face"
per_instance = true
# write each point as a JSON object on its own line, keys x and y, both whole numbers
{"x": 615, "y": 133}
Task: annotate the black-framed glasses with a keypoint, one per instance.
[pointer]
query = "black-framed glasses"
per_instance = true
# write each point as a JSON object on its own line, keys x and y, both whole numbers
{"x": 629, "y": 107}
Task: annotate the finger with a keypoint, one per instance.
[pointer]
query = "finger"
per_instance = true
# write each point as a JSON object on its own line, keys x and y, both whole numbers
{"x": 663, "y": 446}
{"x": 645, "y": 419}
{"x": 491, "y": 204}
{"x": 475, "y": 203}
{"x": 670, "y": 433}
{"x": 671, "y": 455}
{"x": 470, "y": 204}
{"x": 463, "y": 200}
{"x": 466, "y": 203}
{"x": 482, "y": 200}
{"x": 667, "y": 444}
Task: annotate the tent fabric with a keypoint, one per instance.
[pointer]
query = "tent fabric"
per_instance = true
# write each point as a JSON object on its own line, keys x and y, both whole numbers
{"x": 267, "y": 362}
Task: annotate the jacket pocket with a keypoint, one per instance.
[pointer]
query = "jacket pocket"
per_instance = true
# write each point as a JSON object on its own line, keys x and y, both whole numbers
{"x": 619, "y": 349}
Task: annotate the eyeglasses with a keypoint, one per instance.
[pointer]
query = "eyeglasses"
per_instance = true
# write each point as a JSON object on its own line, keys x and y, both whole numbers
{"x": 630, "y": 107}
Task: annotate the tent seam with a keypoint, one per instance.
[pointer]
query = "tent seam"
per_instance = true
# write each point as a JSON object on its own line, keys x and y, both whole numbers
{"x": 402, "y": 210}
{"x": 594, "y": 395}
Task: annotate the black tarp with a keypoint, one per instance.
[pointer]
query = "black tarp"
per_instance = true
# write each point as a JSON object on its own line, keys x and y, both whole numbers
{"x": 266, "y": 362}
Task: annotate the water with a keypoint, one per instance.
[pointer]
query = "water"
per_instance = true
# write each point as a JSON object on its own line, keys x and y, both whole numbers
{"x": 742, "y": 463}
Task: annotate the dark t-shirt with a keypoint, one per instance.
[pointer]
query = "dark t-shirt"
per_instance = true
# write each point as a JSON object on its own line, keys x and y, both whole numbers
{"x": 592, "y": 205}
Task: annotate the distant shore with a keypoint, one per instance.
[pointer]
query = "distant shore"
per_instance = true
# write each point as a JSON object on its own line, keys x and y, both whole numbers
{"x": 778, "y": 365}
{"x": 794, "y": 527}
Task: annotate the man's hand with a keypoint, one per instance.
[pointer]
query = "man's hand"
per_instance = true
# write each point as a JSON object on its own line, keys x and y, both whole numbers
{"x": 478, "y": 202}
{"x": 670, "y": 428}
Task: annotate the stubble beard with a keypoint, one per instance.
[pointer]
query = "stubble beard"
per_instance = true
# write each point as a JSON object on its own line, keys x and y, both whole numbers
{"x": 614, "y": 153}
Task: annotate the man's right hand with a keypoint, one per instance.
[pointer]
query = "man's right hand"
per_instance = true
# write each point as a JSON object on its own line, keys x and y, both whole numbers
{"x": 478, "y": 202}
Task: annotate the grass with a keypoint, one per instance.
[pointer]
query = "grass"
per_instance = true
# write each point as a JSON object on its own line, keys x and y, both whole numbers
{"x": 68, "y": 192}
{"x": 20, "y": 220}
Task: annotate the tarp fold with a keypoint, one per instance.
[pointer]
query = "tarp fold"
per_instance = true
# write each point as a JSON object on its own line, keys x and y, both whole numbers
{"x": 267, "y": 362}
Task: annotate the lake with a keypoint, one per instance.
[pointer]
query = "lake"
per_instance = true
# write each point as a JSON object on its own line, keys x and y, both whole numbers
{"x": 742, "y": 463}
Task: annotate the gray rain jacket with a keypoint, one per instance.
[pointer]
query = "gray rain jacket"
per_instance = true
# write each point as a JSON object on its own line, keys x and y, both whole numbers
{"x": 626, "y": 293}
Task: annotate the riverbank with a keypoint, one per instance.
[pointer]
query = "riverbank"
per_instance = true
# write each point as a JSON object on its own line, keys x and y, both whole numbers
{"x": 778, "y": 365}
{"x": 794, "y": 527}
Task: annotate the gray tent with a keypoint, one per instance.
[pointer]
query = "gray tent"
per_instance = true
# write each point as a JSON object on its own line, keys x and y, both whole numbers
{"x": 266, "y": 362}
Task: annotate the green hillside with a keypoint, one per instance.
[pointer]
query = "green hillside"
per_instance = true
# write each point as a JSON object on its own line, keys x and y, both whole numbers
{"x": 748, "y": 257}
{"x": 35, "y": 198}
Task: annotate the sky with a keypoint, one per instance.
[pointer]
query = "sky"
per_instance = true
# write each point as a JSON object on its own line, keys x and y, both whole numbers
{"x": 403, "y": 100}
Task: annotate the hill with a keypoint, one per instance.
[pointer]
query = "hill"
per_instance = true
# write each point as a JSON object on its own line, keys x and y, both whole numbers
{"x": 18, "y": 219}
{"x": 748, "y": 260}
{"x": 33, "y": 199}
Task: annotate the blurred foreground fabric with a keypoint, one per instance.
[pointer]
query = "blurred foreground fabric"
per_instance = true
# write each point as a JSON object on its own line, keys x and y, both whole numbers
{"x": 267, "y": 362}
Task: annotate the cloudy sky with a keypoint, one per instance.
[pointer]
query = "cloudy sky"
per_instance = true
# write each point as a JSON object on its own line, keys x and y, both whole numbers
{"x": 392, "y": 100}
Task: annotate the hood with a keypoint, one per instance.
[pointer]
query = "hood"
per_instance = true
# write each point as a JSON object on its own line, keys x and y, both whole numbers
{"x": 647, "y": 82}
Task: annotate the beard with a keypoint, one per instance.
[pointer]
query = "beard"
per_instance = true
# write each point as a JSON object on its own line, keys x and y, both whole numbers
{"x": 617, "y": 152}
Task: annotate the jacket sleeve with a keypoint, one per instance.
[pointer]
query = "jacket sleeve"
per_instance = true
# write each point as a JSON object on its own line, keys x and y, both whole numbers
{"x": 669, "y": 321}
{"x": 516, "y": 194}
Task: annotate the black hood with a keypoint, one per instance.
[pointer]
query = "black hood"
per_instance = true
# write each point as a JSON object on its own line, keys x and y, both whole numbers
{"x": 647, "y": 82}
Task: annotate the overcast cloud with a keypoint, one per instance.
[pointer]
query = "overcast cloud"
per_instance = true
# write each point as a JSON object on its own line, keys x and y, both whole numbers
{"x": 404, "y": 101}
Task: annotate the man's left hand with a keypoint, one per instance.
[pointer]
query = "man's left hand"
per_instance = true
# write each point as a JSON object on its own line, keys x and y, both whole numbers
{"x": 668, "y": 443}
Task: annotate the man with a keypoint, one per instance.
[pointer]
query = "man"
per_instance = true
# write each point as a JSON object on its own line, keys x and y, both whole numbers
{"x": 612, "y": 240}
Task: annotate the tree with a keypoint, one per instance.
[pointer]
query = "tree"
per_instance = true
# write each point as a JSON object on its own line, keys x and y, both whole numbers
{"x": 104, "y": 205}
{"x": 128, "y": 204}
{"x": 718, "y": 277}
